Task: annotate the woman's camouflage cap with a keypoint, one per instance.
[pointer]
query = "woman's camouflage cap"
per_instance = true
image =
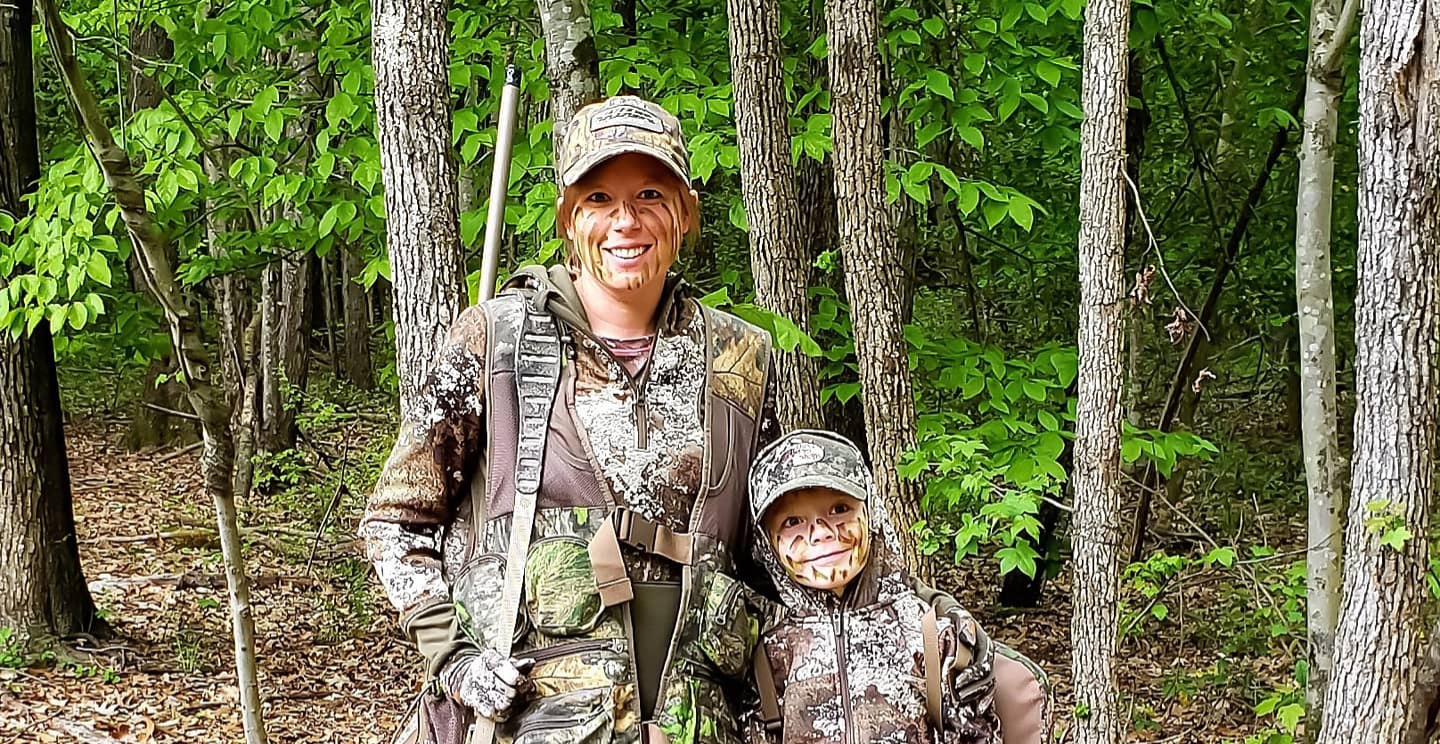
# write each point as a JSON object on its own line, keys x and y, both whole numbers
{"x": 808, "y": 458}
{"x": 618, "y": 125}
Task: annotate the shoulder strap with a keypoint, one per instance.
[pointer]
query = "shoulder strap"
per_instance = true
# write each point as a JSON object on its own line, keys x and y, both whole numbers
{"x": 537, "y": 378}
{"x": 770, "y": 715}
{"x": 930, "y": 629}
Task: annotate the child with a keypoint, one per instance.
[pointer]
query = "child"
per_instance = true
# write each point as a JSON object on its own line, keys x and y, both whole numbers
{"x": 848, "y": 661}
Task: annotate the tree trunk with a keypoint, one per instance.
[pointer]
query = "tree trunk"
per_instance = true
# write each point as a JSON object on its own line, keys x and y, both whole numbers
{"x": 571, "y": 64}
{"x": 284, "y": 357}
{"x": 778, "y": 257}
{"x": 356, "y": 363}
{"x": 42, "y": 587}
{"x": 149, "y": 43}
{"x": 1316, "y": 313}
{"x": 412, "y": 109}
{"x": 1096, "y": 531}
{"x": 874, "y": 270}
{"x": 216, "y": 461}
{"x": 1377, "y": 641}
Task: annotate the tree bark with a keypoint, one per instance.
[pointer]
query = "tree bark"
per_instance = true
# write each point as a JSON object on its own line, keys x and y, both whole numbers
{"x": 1319, "y": 426}
{"x": 779, "y": 261}
{"x": 217, "y": 457}
{"x": 874, "y": 268}
{"x": 42, "y": 587}
{"x": 356, "y": 363}
{"x": 571, "y": 64}
{"x": 1096, "y": 531}
{"x": 1378, "y": 637}
{"x": 412, "y": 109}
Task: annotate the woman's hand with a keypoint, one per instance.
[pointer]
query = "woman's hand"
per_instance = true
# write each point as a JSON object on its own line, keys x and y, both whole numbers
{"x": 486, "y": 681}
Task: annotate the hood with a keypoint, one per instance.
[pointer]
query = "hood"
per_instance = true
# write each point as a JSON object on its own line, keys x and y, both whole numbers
{"x": 555, "y": 289}
{"x": 810, "y": 458}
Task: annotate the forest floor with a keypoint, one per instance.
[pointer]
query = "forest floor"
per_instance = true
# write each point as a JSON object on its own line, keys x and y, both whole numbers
{"x": 334, "y": 667}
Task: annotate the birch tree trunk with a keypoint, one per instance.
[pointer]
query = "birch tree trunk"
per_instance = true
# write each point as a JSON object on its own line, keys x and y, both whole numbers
{"x": 1096, "y": 531}
{"x": 1316, "y": 313}
{"x": 1378, "y": 638}
{"x": 571, "y": 65}
{"x": 217, "y": 455}
{"x": 874, "y": 272}
{"x": 412, "y": 110}
{"x": 42, "y": 587}
{"x": 779, "y": 260}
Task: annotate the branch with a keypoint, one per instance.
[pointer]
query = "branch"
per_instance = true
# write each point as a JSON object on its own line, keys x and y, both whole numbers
{"x": 1340, "y": 37}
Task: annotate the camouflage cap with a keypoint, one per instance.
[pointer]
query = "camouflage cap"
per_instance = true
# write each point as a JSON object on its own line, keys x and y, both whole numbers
{"x": 618, "y": 125}
{"x": 807, "y": 458}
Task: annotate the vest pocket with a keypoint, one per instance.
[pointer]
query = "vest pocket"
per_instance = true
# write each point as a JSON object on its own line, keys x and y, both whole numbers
{"x": 727, "y": 631}
{"x": 560, "y": 594}
{"x": 582, "y": 717}
{"x": 581, "y": 691}
{"x": 478, "y": 597}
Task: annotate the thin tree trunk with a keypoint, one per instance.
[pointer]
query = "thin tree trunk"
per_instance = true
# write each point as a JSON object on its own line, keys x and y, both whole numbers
{"x": 216, "y": 461}
{"x": 412, "y": 109}
{"x": 1096, "y": 532}
{"x": 1378, "y": 646}
{"x": 874, "y": 268}
{"x": 356, "y": 364}
{"x": 42, "y": 587}
{"x": 778, "y": 257}
{"x": 571, "y": 64}
{"x": 1319, "y": 426}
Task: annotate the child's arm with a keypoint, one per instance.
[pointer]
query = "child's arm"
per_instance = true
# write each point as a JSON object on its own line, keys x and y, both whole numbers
{"x": 969, "y": 692}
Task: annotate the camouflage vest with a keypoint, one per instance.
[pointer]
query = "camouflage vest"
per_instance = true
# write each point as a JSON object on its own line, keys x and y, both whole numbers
{"x": 690, "y": 428}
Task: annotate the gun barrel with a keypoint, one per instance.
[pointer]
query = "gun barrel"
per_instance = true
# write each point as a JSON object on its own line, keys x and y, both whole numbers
{"x": 499, "y": 183}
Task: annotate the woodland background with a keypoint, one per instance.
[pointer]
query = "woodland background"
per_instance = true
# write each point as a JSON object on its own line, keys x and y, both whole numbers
{"x": 266, "y": 135}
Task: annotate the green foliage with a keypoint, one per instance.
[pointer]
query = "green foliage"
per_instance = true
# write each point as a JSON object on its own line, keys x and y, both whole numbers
{"x": 12, "y": 652}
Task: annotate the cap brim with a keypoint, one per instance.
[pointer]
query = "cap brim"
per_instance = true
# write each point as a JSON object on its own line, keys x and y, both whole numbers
{"x": 579, "y": 168}
{"x": 832, "y": 483}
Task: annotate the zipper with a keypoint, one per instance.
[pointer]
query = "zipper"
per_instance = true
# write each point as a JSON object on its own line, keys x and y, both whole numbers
{"x": 640, "y": 408}
{"x": 567, "y": 649}
{"x": 848, "y": 714}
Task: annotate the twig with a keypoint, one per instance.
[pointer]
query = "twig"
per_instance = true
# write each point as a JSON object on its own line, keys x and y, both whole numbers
{"x": 171, "y": 411}
{"x": 1340, "y": 38}
{"x": 187, "y": 448}
{"x": 1160, "y": 257}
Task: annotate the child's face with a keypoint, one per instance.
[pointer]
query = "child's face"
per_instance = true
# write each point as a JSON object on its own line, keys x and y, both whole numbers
{"x": 821, "y": 536}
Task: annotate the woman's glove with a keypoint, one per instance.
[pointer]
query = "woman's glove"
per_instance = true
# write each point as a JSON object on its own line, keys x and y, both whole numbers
{"x": 485, "y": 681}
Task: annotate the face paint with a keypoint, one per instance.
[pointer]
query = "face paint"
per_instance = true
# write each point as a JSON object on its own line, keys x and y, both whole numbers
{"x": 822, "y": 537}
{"x": 627, "y": 219}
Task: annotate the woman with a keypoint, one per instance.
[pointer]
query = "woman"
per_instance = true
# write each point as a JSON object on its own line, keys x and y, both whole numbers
{"x": 659, "y": 408}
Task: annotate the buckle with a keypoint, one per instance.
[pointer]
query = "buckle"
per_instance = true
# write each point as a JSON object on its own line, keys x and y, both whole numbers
{"x": 635, "y": 530}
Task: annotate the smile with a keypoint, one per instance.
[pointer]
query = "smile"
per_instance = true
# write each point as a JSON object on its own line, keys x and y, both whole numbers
{"x": 828, "y": 559}
{"x": 628, "y": 252}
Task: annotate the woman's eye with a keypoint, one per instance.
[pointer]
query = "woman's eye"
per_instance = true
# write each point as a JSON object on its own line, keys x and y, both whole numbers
{"x": 649, "y": 194}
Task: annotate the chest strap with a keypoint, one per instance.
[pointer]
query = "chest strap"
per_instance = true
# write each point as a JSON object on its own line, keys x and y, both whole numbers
{"x": 628, "y": 527}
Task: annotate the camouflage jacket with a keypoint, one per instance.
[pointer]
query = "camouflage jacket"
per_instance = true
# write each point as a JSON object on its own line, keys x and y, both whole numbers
{"x": 850, "y": 668}
{"x": 671, "y": 446}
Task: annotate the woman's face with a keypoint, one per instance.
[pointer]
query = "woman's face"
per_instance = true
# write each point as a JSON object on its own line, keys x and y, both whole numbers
{"x": 625, "y": 221}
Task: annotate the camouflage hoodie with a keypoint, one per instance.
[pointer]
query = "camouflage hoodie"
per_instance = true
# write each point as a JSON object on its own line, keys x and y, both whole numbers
{"x": 850, "y": 668}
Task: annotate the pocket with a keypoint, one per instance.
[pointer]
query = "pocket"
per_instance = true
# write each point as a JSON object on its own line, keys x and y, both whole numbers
{"x": 727, "y": 632}
{"x": 478, "y": 592}
{"x": 561, "y": 598}
{"x": 582, "y": 717}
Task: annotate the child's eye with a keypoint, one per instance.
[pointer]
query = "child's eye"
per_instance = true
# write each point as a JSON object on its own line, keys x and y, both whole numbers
{"x": 840, "y": 509}
{"x": 790, "y": 522}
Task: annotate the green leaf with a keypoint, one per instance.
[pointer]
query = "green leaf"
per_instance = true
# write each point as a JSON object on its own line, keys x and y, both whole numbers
{"x": 1130, "y": 450}
{"x": 1036, "y": 102}
{"x": 939, "y": 83}
{"x": 737, "y": 215}
{"x": 98, "y": 268}
{"x": 274, "y": 125}
{"x": 1020, "y": 212}
{"x": 1159, "y": 611}
{"x": 972, "y": 137}
{"x": 975, "y": 63}
{"x": 846, "y": 391}
{"x": 78, "y": 316}
{"x": 1224, "y": 556}
{"x": 1037, "y": 12}
{"x": 1048, "y": 420}
{"x": 1289, "y": 716}
{"x": 95, "y": 303}
{"x": 969, "y": 198}
{"x": 933, "y": 26}
{"x": 342, "y": 105}
{"x": 1020, "y": 556}
{"x": 995, "y": 211}
{"x": 1047, "y": 71}
{"x": 1033, "y": 390}
{"x": 910, "y": 36}
{"x": 1396, "y": 537}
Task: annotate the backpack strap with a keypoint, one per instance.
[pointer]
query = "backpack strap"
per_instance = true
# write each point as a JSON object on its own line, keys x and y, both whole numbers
{"x": 770, "y": 716}
{"x": 537, "y": 378}
{"x": 930, "y": 630}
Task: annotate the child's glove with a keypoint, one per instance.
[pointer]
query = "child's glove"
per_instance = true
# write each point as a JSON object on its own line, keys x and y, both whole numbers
{"x": 485, "y": 681}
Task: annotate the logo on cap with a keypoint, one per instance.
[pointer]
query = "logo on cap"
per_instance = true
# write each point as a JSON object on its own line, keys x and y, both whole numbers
{"x": 626, "y": 114}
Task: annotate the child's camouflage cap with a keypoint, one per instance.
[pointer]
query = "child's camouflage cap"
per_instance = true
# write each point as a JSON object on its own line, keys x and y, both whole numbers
{"x": 807, "y": 458}
{"x": 618, "y": 125}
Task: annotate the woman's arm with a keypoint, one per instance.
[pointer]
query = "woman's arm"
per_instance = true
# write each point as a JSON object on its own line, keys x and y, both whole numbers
{"x": 419, "y": 487}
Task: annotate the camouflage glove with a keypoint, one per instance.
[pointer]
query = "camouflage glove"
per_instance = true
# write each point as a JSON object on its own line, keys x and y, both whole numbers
{"x": 485, "y": 681}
